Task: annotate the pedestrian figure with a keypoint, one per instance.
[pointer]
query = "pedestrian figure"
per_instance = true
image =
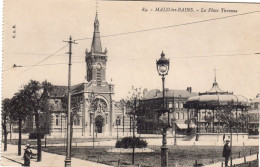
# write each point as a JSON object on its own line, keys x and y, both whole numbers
{"x": 226, "y": 152}
{"x": 27, "y": 155}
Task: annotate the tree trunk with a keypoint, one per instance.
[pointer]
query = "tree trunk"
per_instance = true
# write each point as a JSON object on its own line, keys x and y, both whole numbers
{"x": 188, "y": 115}
{"x": 5, "y": 134}
{"x": 5, "y": 140}
{"x": 231, "y": 146}
{"x": 131, "y": 124}
{"x": 39, "y": 142}
{"x": 20, "y": 136}
{"x": 10, "y": 131}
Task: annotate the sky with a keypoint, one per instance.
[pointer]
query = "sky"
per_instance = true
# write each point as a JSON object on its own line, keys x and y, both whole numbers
{"x": 227, "y": 44}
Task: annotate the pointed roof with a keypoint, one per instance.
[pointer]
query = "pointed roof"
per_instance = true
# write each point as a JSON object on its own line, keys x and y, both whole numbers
{"x": 215, "y": 88}
{"x": 59, "y": 91}
{"x": 96, "y": 42}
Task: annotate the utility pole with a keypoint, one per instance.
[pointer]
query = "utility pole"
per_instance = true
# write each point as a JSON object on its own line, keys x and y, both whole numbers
{"x": 69, "y": 136}
{"x": 93, "y": 121}
{"x": 133, "y": 154}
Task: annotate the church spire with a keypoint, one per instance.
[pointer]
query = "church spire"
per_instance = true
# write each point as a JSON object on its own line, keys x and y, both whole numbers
{"x": 96, "y": 42}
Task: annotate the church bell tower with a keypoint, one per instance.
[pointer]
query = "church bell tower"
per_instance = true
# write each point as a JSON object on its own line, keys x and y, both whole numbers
{"x": 97, "y": 91}
{"x": 96, "y": 59}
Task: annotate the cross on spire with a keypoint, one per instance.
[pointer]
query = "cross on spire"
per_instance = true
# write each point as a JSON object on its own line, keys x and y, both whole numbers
{"x": 215, "y": 80}
{"x": 96, "y": 42}
{"x": 96, "y": 7}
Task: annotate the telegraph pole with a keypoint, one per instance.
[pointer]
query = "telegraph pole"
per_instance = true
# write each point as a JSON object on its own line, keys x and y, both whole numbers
{"x": 133, "y": 154}
{"x": 69, "y": 135}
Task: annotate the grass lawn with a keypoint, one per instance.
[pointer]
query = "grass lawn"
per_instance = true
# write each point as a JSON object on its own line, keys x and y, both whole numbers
{"x": 184, "y": 156}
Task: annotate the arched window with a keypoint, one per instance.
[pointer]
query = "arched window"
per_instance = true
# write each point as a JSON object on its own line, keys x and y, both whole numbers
{"x": 99, "y": 77}
{"x": 78, "y": 121}
{"x": 89, "y": 73}
{"x": 75, "y": 122}
{"x": 57, "y": 120}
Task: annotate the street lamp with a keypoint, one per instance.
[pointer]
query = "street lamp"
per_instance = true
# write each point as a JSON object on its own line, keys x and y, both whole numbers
{"x": 163, "y": 65}
{"x": 39, "y": 95}
{"x": 93, "y": 118}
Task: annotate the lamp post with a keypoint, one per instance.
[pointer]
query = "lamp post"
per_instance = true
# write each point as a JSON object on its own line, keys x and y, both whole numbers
{"x": 133, "y": 154}
{"x": 175, "y": 137}
{"x": 93, "y": 119}
{"x": 39, "y": 95}
{"x": 163, "y": 65}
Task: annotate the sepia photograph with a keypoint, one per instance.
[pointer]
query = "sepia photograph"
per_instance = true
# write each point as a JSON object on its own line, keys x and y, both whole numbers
{"x": 130, "y": 83}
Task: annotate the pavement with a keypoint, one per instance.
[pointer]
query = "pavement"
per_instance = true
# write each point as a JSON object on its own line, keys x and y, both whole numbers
{"x": 11, "y": 158}
{"x": 235, "y": 161}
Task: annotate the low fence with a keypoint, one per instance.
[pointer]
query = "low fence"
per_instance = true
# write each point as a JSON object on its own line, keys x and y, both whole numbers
{"x": 239, "y": 160}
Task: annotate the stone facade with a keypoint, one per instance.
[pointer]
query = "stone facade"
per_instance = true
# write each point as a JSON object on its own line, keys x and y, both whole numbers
{"x": 150, "y": 119}
{"x": 254, "y": 112}
{"x": 93, "y": 108}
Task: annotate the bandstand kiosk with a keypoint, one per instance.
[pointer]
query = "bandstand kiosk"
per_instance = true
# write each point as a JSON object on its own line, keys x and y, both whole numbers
{"x": 204, "y": 109}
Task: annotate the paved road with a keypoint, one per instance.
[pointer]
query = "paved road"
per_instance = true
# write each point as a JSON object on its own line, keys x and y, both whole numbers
{"x": 48, "y": 159}
{"x": 7, "y": 162}
{"x": 235, "y": 161}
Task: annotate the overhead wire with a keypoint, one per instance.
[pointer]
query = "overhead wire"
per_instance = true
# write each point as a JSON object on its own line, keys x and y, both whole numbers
{"x": 46, "y": 58}
{"x": 151, "y": 29}
{"x": 24, "y": 53}
{"x": 176, "y": 25}
{"x": 189, "y": 57}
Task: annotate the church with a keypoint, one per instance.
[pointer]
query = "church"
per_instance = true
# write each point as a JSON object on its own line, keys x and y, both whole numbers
{"x": 94, "y": 111}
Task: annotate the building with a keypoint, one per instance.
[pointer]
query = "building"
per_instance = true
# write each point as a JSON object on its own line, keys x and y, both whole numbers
{"x": 254, "y": 112}
{"x": 94, "y": 110}
{"x": 150, "y": 118}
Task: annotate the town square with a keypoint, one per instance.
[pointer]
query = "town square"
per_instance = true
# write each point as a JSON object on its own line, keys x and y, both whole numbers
{"x": 130, "y": 83}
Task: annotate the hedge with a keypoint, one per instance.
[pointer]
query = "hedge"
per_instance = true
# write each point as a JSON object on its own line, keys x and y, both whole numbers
{"x": 34, "y": 135}
{"x": 127, "y": 142}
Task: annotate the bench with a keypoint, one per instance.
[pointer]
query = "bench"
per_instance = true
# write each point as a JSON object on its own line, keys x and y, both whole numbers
{"x": 33, "y": 156}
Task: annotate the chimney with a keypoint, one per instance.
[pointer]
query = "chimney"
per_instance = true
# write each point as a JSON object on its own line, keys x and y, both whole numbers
{"x": 189, "y": 89}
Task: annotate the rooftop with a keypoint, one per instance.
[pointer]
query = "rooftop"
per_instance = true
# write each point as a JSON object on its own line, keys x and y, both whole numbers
{"x": 156, "y": 93}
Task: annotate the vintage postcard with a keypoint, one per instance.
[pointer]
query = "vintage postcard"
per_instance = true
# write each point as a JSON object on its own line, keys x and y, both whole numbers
{"x": 130, "y": 83}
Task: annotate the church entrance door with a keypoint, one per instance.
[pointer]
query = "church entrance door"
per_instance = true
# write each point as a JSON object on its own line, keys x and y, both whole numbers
{"x": 99, "y": 129}
{"x": 99, "y": 123}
